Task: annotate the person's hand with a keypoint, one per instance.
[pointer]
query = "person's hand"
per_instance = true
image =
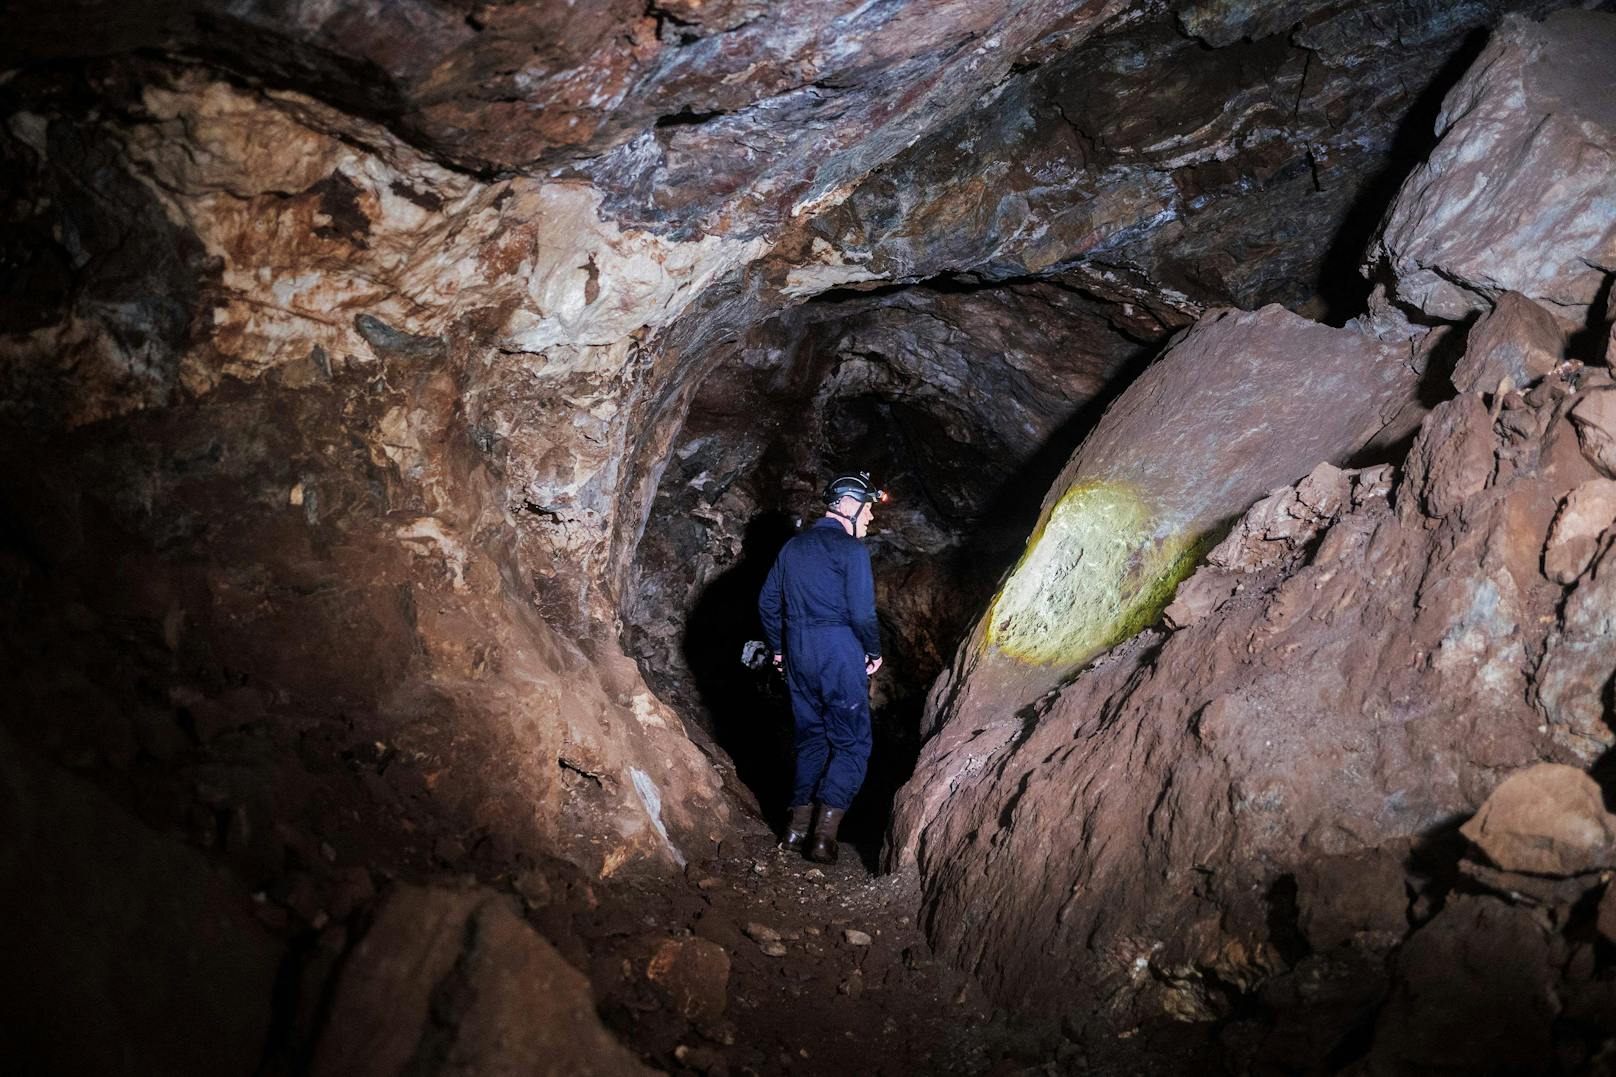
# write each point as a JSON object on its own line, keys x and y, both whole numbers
{"x": 871, "y": 665}
{"x": 779, "y": 660}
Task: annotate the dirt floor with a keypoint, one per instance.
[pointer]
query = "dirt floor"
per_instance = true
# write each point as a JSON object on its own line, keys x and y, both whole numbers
{"x": 828, "y": 974}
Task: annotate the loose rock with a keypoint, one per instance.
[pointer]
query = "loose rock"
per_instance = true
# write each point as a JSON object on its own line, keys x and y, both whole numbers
{"x": 1548, "y": 819}
{"x": 1584, "y": 518}
{"x": 1516, "y": 340}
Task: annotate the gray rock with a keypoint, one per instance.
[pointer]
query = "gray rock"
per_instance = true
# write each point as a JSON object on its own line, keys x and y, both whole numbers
{"x": 1516, "y": 196}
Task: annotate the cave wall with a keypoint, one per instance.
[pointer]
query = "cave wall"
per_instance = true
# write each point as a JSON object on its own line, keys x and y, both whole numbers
{"x": 1253, "y": 807}
{"x": 285, "y": 465}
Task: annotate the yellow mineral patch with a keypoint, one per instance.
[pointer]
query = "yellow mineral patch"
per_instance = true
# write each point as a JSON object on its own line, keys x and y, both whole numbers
{"x": 1097, "y": 572}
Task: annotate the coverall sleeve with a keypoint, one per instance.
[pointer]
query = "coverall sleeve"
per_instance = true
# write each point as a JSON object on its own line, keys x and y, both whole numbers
{"x": 861, "y": 601}
{"x": 771, "y": 601}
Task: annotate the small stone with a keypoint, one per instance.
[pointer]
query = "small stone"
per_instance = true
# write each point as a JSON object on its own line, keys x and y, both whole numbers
{"x": 709, "y": 883}
{"x": 773, "y": 949}
{"x": 856, "y": 937}
{"x": 760, "y": 933}
{"x": 700, "y": 1059}
{"x": 813, "y": 873}
{"x": 693, "y": 975}
{"x": 329, "y": 853}
{"x": 759, "y": 868}
{"x": 853, "y": 986}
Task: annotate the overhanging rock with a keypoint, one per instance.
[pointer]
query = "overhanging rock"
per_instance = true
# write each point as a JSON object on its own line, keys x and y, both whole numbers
{"x": 1243, "y": 403}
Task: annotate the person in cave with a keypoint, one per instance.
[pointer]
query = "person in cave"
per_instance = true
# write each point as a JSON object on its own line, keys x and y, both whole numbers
{"x": 821, "y": 592}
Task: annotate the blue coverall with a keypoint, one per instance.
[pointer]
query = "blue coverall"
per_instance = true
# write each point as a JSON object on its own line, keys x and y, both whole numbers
{"x": 822, "y": 588}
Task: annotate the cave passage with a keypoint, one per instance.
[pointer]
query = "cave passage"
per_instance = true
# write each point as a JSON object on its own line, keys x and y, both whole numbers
{"x": 403, "y": 401}
{"x": 963, "y": 399}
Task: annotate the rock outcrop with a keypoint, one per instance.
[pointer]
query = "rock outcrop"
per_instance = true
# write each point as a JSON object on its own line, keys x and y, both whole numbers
{"x": 453, "y": 982}
{"x": 1261, "y": 798}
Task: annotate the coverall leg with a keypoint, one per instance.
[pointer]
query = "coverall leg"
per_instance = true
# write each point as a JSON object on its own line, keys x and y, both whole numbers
{"x": 830, "y": 703}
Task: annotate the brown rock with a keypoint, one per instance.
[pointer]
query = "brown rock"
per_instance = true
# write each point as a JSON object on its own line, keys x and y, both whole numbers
{"x": 1198, "y": 596}
{"x": 1572, "y": 680}
{"x": 1452, "y": 459}
{"x": 1516, "y": 195}
{"x": 1584, "y": 517}
{"x": 454, "y": 982}
{"x": 1517, "y": 340}
{"x": 1548, "y": 819}
{"x": 1362, "y": 896}
{"x": 694, "y": 976}
{"x": 1595, "y": 419}
{"x": 1474, "y": 994}
{"x": 1286, "y": 522}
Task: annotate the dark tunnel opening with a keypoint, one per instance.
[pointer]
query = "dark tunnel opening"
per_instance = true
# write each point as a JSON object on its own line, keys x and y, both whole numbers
{"x": 965, "y": 423}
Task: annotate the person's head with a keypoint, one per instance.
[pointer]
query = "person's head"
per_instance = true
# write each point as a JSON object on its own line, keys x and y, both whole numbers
{"x": 851, "y": 499}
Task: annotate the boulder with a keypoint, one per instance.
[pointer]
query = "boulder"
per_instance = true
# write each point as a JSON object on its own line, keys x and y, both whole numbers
{"x": 1516, "y": 195}
{"x": 1452, "y": 458}
{"x": 1474, "y": 993}
{"x": 1585, "y": 516}
{"x": 1595, "y": 420}
{"x": 1517, "y": 340}
{"x": 693, "y": 975}
{"x": 1548, "y": 819}
{"x": 1244, "y": 402}
{"x": 454, "y": 982}
{"x": 126, "y": 952}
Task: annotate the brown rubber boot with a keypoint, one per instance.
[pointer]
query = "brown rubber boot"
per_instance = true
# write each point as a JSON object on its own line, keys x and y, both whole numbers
{"x": 822, "y": 850}
{"x": 797, "y": 826}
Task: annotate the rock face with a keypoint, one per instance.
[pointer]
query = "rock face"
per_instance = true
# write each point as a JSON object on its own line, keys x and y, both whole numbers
{"x": 1150, "y": 490}
{"x": 1286, "y": 735}
{"x": 1532, "y": 123}
{"x": 1262, "y": 796}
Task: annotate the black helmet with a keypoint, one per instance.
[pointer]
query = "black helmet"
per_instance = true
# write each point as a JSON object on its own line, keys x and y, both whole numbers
{"x": 858, "y": 486}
